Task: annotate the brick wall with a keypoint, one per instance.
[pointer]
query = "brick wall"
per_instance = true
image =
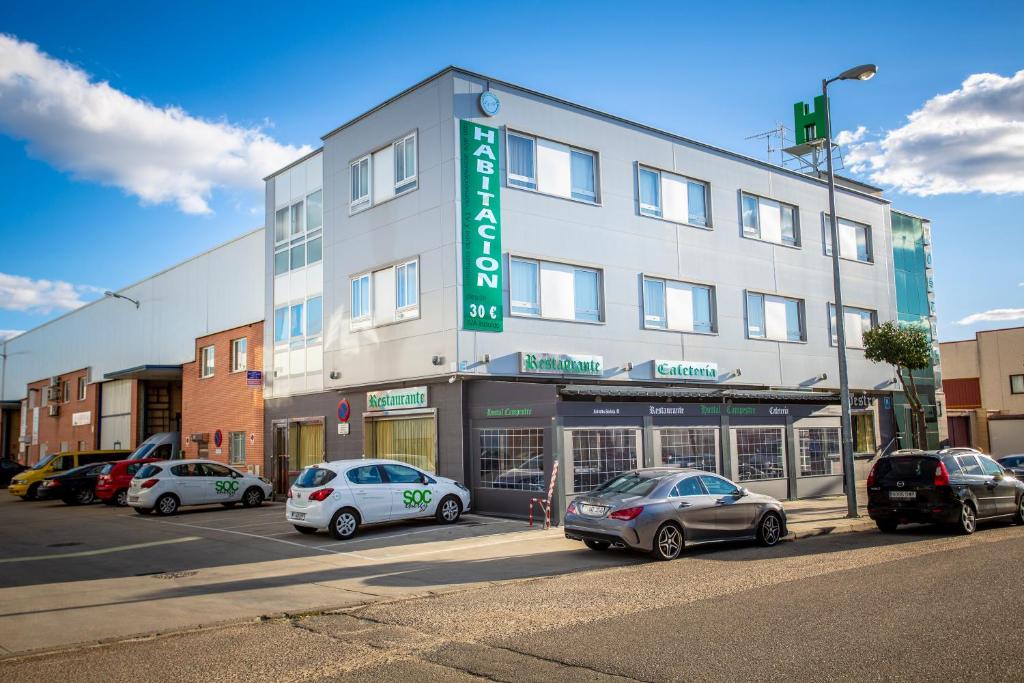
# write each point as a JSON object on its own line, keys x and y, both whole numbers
{"x": 224, "y": 401}
{"x": 57, "y": 433}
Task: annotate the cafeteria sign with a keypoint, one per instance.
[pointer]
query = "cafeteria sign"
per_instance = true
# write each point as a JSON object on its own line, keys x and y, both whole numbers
{"x": 684, "y": 370}
{"x": 408, "y": 397}
{"x": 481, "y": 229}
{"x": 560, "y": 364}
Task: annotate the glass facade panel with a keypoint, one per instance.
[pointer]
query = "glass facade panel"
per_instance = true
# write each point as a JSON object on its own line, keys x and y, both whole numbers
{"x": 818, "y": 450}
{"x": 600, "y": 454}
{"x": 759, "y": 453}
{"x": 512, "y": 459}
{"x": 410, "y": 440}
{"x": 694, "y": 447}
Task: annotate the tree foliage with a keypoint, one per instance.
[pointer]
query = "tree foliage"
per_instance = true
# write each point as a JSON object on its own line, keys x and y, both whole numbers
{"x": 905, "y": 347}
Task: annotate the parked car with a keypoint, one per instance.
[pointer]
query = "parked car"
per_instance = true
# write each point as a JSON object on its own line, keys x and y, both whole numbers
{"x": 77, "y": 486}
{"x": 1014, "y": 463}
{"x": 162, "y": 445}
{"x": 941, "y": 487}
{"x": 115, "y": 478}
{"x": 345, "y": 494}
{"x": 529, "y": 476}
{"x": 166, "y": 486}
{"x": 9, "y": 468}
{"x": 26, "y": 485}
{"x": 664, "y": 509}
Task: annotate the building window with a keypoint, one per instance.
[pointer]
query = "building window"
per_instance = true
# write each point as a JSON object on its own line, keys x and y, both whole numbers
{"x": 301, "y": 320}
{"x": 769, "y": 220}
{"x": 314, "y": 316}
{"x": 601, "y": 454}
{"x": 281, "y": 325}
{"x": 65, "y": 391}
{"x": 236, "y": 448}
{"x": 818, "y": 449}
{"x": 694, "y": 447}
{"x": 673, "y": 197}
{"x": 386, "y": 295}
{"x": 864, "y": 432}
{"x": 298, "y": 234}
{"x": 854, "y": 240}
{"x": 296, "y": 328}
{"x": 512, "y": 459}
{"x": 206, "y": 362}
{"x": 82, "y": 384}
{"x": 775, "y": 318}
{"x": 405, "y": 164}
{"x": 359, "y": 173}
{"x": 679, "y": 306}
{"x": 361, "y": 298}
{"x": 238, "y": 354}
{"x": 551, "y": 167}
{"x": 857, "y": 322}
{"x": 383, "y": 174}
{"x": 1017, "y": 384}
{"x": 556, "y": 291}
{"x": 759, "y": 453}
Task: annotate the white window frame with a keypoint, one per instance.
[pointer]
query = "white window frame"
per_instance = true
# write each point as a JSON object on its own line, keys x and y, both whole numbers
{"x": 233, "y": 458}
{"x": 797, "y": 228}
{"x": 403, "y": 314}
{"x": 658, "y": 212}
{"x": 411, "y": 310}
{"x": 401, "y": 186}
{"x": 510, "y": 178}
{"x": 356, "y": 204}
{"x": 712, "y": 304}
{"x": 801, "y": 312}
{"x": 235, "y": 343}
{"x": 203, "y": 374}
{"x": 365, "y": 319}
{"x": 826, "y": 238}
{"x": 833, "y": 337}
{"x": 511, "y": 303}
{"x": 83, "y": 385}
{"x": 602, "y": 313}
{"x": 300, "y": 239}
{"x": 286, "y": 309}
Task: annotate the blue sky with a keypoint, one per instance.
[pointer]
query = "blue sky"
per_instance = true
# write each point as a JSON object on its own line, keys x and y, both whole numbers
{"x": 274, "y": 77}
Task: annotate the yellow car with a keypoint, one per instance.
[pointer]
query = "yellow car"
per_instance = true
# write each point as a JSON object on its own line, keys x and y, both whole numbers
{"x": 26, "y": 485}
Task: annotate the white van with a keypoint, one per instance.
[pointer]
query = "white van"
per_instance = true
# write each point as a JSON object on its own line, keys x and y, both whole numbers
{"x": 163, "y": 445}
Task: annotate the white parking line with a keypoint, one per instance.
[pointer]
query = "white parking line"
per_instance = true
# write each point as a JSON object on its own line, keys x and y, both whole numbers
{"x": 99, "y": 551}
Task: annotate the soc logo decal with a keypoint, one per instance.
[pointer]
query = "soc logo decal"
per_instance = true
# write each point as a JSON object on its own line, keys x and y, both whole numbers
{"x": 226, "y": 486}
{"x": 416, "y": 499}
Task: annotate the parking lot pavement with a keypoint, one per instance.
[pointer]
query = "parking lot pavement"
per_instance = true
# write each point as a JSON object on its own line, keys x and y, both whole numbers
{"x": 83, "y": 574}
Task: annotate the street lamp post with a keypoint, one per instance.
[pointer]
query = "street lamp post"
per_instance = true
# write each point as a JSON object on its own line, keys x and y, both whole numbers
{"x": 858, "y": 73}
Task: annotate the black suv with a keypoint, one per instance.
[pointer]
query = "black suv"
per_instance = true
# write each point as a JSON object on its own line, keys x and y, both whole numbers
{"x": 953, "y": 486}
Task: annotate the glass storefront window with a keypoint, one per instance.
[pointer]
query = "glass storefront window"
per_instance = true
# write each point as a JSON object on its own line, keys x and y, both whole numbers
{"x": 864, "y": 433}
{"x": 512, "y": 459}
{"x": 818, "y": 448}
{"x": 411, "y": 440}
{"x": 600, "y": 454}
{"x": 305, "y": 444}
{"x": 759, "y": 453}
{"x": 695, "y": 447}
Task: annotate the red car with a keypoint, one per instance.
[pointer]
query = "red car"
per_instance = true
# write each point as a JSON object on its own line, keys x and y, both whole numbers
{"x": 115, "y": 477}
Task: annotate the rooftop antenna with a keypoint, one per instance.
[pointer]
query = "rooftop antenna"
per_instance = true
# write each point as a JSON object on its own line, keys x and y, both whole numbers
{"x": 775, "y": 139}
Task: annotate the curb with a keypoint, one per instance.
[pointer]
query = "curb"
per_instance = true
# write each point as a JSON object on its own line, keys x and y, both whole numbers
{"x": 843, "y": 527}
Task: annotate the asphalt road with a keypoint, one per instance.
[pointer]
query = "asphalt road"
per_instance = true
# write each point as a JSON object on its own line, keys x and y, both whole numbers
{"x": 917, "y": 605}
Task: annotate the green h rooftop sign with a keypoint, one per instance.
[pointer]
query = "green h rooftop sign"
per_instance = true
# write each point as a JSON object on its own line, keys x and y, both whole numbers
{"x": 809, "y": 125}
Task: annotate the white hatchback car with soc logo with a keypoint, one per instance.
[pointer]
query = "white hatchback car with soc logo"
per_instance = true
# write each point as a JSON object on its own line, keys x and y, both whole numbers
{"x": 165, "y": 486}
{"x": 345, "y": 494}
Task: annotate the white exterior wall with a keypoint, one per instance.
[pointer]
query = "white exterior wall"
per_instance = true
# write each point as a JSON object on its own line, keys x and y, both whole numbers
{"x": 217, "y": 290}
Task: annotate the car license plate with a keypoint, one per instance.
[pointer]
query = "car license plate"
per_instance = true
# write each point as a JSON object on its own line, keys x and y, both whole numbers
{"x": 903, "y": 495}
{"x": 593, "y": 510}
{"x": 133, "y": 499}
{"x": 298, "y": 515}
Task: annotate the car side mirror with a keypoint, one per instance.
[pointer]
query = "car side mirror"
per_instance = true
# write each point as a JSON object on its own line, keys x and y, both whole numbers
{"x": 424, "y": 480}
{"x": 740, "y": 492}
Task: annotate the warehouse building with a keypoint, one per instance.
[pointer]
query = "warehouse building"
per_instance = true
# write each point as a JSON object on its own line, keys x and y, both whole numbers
{"x": 484, "y": 280}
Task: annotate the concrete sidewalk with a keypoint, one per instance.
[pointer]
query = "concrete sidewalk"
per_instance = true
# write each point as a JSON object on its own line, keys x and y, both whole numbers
{"x": 821, "y": 516}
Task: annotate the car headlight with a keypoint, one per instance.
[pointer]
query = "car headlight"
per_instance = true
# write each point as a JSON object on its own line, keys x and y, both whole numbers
{"x": 462, "y": 486}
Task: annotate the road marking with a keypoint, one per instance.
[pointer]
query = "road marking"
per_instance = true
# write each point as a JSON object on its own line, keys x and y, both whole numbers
{"x": 100, "y": 551}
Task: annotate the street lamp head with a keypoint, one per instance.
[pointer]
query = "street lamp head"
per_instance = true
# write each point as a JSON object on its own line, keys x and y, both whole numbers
{"x": 108, "y": 293}
{"x": 863, "y": 72}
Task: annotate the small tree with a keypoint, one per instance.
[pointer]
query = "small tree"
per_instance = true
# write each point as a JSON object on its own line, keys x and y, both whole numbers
{"x": 905, "y": 347}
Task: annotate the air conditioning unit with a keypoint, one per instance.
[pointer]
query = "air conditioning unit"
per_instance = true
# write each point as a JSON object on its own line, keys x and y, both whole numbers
{"x": 54, "y": 410}
{"x": 199, "y": 437}
{"x": 53, "y": 393}
{"x": 54, "y": 381}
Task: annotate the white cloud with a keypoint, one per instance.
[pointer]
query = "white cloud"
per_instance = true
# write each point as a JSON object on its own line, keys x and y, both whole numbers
{"x": 18, "y": 293}
{"x": 994, "y": 315}
{"x": 98, "y": 133}
{"x": 968, "y": 140}
{"x": 848, "y": 137}
{"x": 7, "y": 334}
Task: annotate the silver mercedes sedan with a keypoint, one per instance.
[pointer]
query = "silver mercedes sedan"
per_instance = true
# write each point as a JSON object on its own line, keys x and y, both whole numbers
{"x": 661, "y": 510}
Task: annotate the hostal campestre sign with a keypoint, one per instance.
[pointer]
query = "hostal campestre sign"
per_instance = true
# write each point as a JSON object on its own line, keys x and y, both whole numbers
{"x": 481, "y": 229}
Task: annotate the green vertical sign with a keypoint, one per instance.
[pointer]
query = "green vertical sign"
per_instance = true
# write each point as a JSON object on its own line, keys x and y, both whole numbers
{"x": 482, "y": 308}
{"x": 809, "y": 125}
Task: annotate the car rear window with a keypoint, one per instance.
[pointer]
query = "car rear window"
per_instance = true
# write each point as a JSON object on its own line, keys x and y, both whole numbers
{"x": 906, "y": 468}
{"x": 107, "y": 468}
{"x": 632, "y": 483}
{"x": 314, "y": 477}
{"x": 148, "y": 471}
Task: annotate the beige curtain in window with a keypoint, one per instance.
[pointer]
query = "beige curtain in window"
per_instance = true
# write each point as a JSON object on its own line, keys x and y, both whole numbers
{"x": 410, "y": 440}
{"x": 308, "y": 449}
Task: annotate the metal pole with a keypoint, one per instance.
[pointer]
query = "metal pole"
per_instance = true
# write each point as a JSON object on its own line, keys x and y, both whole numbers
{"x": 849, "y": 477}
